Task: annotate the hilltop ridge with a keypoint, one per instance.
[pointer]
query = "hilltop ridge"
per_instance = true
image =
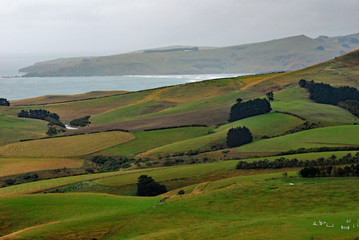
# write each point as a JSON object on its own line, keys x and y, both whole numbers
{"x": 284, "y": 54}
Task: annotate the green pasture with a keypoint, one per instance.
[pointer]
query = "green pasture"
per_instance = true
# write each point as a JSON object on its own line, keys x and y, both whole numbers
{"x": 337, "y": 136}
{"x": 175, "y": 176}
{"x": 13, "y": 129}
{"x": 254, "y": 207}
{"x": 146, "y": 140}
{"x": 296, "y": 101}
{"x": 262, "y": 206}
{"x": 271, "y": 124}
{"x": 68, "y": 216}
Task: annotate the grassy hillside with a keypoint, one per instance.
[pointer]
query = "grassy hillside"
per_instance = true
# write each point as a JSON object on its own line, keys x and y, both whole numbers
{"x": 320, "y": 137}
{"x": 66, "y": 146}
{"x": 49, "y": 99}
{"x": 250, "y": 207}
{"x": 147, "y": 140}
{"x": 265, "y": 207}
{"x": 271, "y": 124}
{"x": 296, "y": 101}
{"x": 11, "y": 166}
{"x": 24, "y": 129}
{"x": 338, "y": 72}
{"x": 70, "y": 216}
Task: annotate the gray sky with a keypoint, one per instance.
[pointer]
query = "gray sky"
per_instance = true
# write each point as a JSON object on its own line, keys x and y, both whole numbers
{"x": 95, "y": 27}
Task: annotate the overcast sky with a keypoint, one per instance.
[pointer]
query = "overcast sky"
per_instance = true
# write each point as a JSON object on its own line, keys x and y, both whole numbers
{"x": 95, "y": 27}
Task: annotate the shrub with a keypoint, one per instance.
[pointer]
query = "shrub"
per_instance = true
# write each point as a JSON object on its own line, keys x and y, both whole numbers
{"x": 181, "y": 192}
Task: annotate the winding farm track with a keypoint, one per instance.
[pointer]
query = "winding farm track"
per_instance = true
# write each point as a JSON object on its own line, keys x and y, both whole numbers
{"x": 14, "y": 235}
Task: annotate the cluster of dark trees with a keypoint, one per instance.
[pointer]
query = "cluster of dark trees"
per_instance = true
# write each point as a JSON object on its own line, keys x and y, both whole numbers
{"x": 4, "y": 102}
{"x": 350, "y": 105}
{"x": 288, "y": 163}
{"x": 42, "y": 114}
{"x": 80, "y": 122}
{"x": 324, "y": 93}
{"x": 327, "y": 171}
{"x": 238, "y": 136}
{"x": 249, "y": 108}
{"x": 146, "y": 186}
{"x": 109, "y": 163}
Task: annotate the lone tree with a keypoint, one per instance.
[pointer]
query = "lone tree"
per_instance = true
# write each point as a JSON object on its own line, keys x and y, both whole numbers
{"x": 270, "y": 96}
{"x": 146, "y": 186}
{"x": 238, "y": 136}
{"x": 4, "y": 102}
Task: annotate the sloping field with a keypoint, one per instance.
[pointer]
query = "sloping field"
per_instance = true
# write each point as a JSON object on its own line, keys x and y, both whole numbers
{"x": 203, "y": 117}
{"x": 271, "y": 124}
{"x": 174, "y": 177}
{"x": 338, "y": 136}
{"x": 11, "y": 166}
{"x": 134, "y": 105}
{"x": 151, "y": 139}
{"x": 24, "y": 129}
{"x": 66, "y": 146}
{"x": 339, "y": 71}
{"x": 185, "y": 98}
{"x": 261, "y": 206}
{"x": 296, "y": 101}
{"x": 50, "y": 99}
{"x": 71, "y": 216}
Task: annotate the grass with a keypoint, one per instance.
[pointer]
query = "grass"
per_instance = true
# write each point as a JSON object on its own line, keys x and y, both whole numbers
{"x": 185, "y": 98}
{"x": 346, "y": 135}
{"x": 261, "y": 206}
{"x": 71, "y": 215}
{"x": 271, "y": 124}
{"x": 249, "y": 209}
{"x": 24, "y": 128}
{"x": 175, "y": 177}
{"x": 11, "y": 166}
{"x": 295, "y": 100}
{"x": 66, "y": 146}
{"x": 146, "y": 140}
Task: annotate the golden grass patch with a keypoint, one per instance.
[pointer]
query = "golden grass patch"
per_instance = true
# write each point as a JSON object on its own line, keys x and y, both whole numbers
{"x": 11, "y": 166}
{"x": 66, "y": 146}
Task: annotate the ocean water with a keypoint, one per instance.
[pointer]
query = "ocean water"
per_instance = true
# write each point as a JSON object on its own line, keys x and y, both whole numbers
{"x": 14, "y": 88}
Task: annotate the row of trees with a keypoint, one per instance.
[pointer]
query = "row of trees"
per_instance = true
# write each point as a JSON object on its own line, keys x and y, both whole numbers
{"x": 289, "y": 163}
{"x": 42, "y": 114}
{"x": 324, "y": 93}
{"x": 249, "y": 108}
{"x": 328, "y": 171}
{"x": 4, "y": 102}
